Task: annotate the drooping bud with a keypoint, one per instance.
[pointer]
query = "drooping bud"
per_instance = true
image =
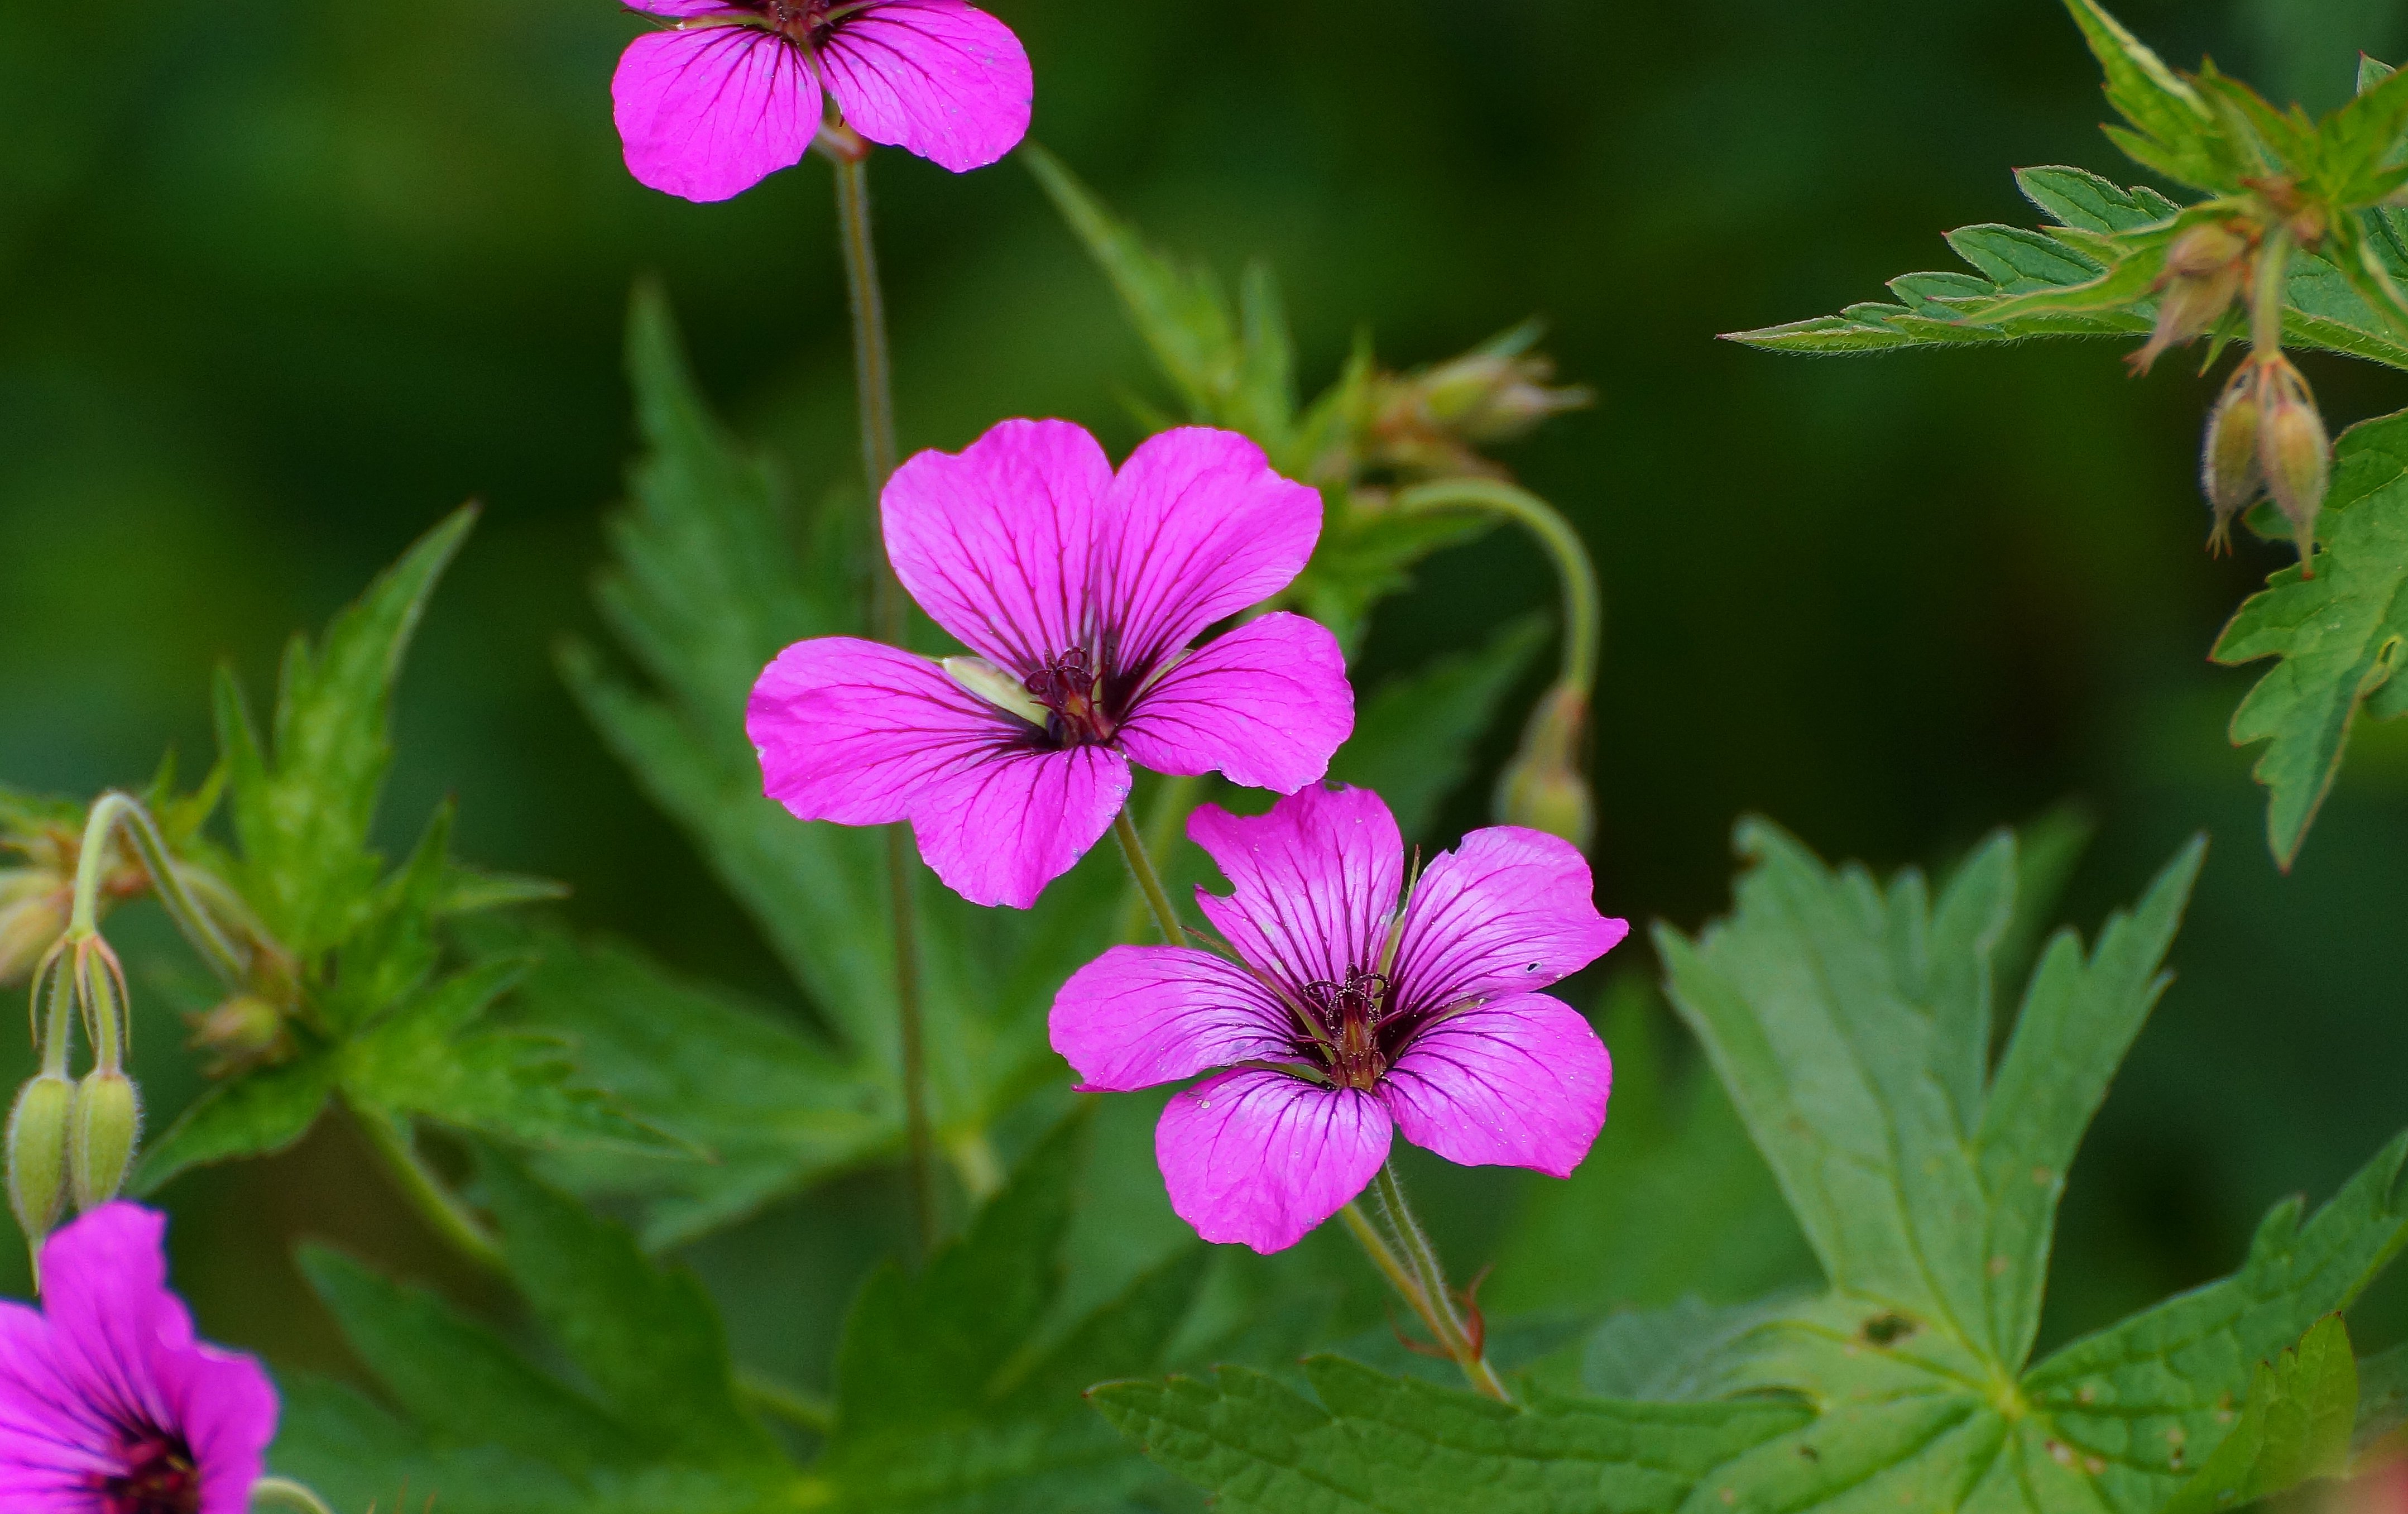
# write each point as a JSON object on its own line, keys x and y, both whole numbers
{"x": 33, "y": 916}
{"x": 2296, "y": 453}
{"x": 244, "y": 1032}
{"x": 1544, "y": 788}
{"x": 2229, "y": 473}
{"x": 2203, "y": 274}
{"x": 107, "y": 1124}
{"x": 38, "y": 1134}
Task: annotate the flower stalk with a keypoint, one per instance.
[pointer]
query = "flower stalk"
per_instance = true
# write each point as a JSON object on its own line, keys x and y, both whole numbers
{"x": 1430, "y": 1296}
{"x": 1149, "y": 882}
{"x": 874, "y": 385}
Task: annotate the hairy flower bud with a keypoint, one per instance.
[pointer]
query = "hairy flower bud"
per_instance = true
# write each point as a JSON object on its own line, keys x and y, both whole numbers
{"x": 33, "y": 916}
{"x": 244, "y": 1032}
{"x": 2203, "y": 274}
{"x": 1544, "y": 787}
{"x": 107, "y": 1125}
{"x": 2296, "y": 453}
{"x": 38, "y": 1129}
{"x": 1429, "y": 422}
{"x": 2229, "y": 473}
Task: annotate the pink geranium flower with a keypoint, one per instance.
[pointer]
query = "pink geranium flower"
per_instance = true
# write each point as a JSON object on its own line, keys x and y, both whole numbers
{"x": 1081, "y": 591}
{"x": 108, "y": 1406}
{"x": 732, "y": 94}
{"x": 1343, "y": 1019}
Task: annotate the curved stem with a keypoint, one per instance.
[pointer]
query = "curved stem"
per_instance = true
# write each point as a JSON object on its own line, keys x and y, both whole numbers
{"x": 120, "y": 811}
{"x": 874, "y": 383}
{"x": 1148, "y": 881}
{"x": 57, "y": 1025}
{"x": 272, "y": 1492}
{"x": 1583, "y": 602}
{"x": 1439, "y": 1312}
{"x": 435, "y": 1204}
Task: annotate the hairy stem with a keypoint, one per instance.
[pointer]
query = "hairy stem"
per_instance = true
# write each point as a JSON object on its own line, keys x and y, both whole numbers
{"x": 435, "y": 1204}
{"x": 1437, "y": 1308}
{"x": 2266, "y": 294}
{"x": 1173, "y": 800}
{"x": 1149, "y": 882}
{"x": 121, "y": 813}
{"x": 1584, "y": 603}
{"x": 874, "y": 384}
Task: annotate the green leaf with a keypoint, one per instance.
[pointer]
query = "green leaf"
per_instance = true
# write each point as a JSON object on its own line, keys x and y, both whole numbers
{"x": 767, "y": 1106}
{"x": 254, "y": 1115}
{"x": 431, "y": 1057}
{"x": 2295, "y": 1427}
{"x": 2339, "y": 634}
{"x": 302, "y": 815}
{"x": 2079, "y": 198}
{"x": 645, "y": 1337}
{"x": 1374, "y": 1443}
{"x": 1414, "y": 736}
{"x": 2175, "y": 130}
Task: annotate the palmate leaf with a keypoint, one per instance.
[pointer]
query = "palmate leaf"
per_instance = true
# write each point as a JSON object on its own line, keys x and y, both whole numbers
{"x": 949, "y": 1395}
{"x": 708, "y": 584}
{"x": 2340, "y": 635}
{"x": 1851, "y": 1022}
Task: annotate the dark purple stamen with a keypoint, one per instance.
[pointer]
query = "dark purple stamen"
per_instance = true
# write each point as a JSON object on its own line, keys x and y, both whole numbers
{"x": 1351, "y": 1044}
{"x": 1071, "y": 685}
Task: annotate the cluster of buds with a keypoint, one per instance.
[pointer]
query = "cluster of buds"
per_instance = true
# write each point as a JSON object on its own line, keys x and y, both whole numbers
{"x": 1546, "y": 785}
{"x": 2266, "y": 438}
{"x": 1432, "y": 421}
{"x": 2206, "y": 269}
{"x": 74, "y": 1139}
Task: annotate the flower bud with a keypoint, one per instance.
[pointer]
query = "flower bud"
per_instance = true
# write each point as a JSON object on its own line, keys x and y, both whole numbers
{"x": 2203, "y": 273}
{"x": 2296, "y": 453}
{"x": 2229, "y": 473}
{"x": 33, "y": 916}
{"x": 246, "y": 1031}
{"x": 1544, "y": 788}
{"x": 1427, "y": 422}
{"x": 38, "y": 1128}
{"x": 106, "y": 1124}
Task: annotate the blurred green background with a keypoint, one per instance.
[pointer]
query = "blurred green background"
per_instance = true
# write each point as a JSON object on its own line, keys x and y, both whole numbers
{"x": 281, "y": 282}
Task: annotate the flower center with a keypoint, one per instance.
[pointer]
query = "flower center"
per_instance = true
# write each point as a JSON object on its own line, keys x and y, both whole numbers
{"x": 802, "y": 20}
{"x": 1349, "y": 1014}
{"x": 159, "y": 1478}
{"x": 1071, "y": 685}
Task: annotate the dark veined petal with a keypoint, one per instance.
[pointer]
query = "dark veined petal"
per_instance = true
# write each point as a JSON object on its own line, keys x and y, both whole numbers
{"x": 1510, "y": 910}
{"x": 1266, "y": 703}
{"x": 707, "y": 112}
{"x": 997, "y": 542}
{"x": 1197, "y": 528}
{"x": 1260, "y": 1158}
{"x": 1138, "y": 1015}
{"x": 936, "y": 78}
{"x": 1314, "y": 882}
{"x": 1519, "y": 1081}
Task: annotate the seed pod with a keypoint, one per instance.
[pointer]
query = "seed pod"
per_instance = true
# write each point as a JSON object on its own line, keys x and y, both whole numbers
{"x": 2296, "y": 453}
{"x": 39, "y": 1132}
{"x": 2228, "y": 470}
{"x": 1544, "y": 787}
{"x": 107, "y": 1125}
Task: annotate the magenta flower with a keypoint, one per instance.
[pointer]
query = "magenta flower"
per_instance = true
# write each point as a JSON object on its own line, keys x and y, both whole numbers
{"x": 1343, "y": 1019}
{"x": 732, "y": 93}
{"x": 1081, "y": 591}
{"x": 108, "y": 1406}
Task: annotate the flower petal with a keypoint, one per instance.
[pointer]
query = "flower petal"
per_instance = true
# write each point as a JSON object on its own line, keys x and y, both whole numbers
{"x": 996, "y": 541}
{"x": 1509, "y": 910}
{"x": 1199, "y": 528}
{"x": 1001, "y": 826}
{"x": 852, "y": 730}
{"x": 1314, "y": 882}
{"x": 1517, "y": 1081}
{"x": 1261, "y": 1158}
{"x": 935, "y": 78}
{"x": 863, "y": 734}
{"x": 683, "y": 8}
{"x": 1266, "y": 703}
{"x": 708, "y": 111}
{"x": 1138, "y": 1015}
